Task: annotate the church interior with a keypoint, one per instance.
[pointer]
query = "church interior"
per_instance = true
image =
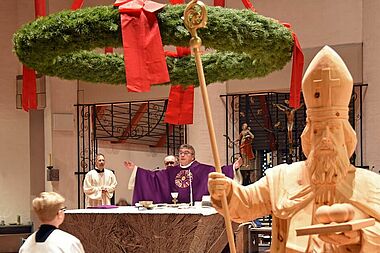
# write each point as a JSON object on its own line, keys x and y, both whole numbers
{"x": 51, "y": 147}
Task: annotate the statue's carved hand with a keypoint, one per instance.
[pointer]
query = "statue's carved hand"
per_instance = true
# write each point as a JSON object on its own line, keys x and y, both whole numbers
{"x": 345, "y": 238}
{"x": 218, "y": 184}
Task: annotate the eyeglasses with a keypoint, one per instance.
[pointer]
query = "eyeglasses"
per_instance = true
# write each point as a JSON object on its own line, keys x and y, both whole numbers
{"x": 185, "y": 153}
{"x": 169, "y": 163}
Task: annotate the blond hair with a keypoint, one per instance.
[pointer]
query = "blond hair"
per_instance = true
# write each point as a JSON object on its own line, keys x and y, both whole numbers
{"x": 47, "y": 205}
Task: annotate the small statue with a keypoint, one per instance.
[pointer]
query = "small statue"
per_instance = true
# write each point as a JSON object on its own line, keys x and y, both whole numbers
{"x": 289, "y": 112}
{"x": 245, "y": 140}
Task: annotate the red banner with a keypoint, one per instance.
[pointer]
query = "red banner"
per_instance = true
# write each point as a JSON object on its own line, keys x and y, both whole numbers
{"x": 181, "y": 104}
{"x": 108, "y": 50}
{"x": 181, "y": 100}
{"x": 77, "y": 4}
{"x": 144, "y": 56}
{"x": 221, "y": 3}
{"x": 297, "y": 71}
{"x": 29, "y": 96}
{"x": 177, "y": 1}
{"x": 248, "y": 5}
{"x": 39, "y": 8}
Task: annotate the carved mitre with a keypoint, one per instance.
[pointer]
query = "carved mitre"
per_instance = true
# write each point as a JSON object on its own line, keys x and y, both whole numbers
{"x": 327, "y": 87}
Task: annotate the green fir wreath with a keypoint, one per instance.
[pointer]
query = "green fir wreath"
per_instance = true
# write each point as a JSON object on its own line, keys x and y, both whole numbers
{"x": 245, "y": 45}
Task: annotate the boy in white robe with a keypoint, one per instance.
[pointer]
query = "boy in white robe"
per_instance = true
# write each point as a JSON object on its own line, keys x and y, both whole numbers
{"x": 49, "y": 207}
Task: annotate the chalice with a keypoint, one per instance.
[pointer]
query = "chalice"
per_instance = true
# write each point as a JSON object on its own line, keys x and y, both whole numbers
{"x": 174, "y": 196}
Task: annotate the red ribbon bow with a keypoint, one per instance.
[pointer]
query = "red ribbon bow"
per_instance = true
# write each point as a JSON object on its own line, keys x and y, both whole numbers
{"x": 144, "y": 57}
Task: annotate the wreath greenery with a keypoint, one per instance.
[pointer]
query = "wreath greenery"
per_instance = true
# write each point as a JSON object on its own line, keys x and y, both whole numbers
{"x": 246, "y": 45}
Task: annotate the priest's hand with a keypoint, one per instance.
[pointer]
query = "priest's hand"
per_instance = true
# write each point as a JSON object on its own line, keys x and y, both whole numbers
{"x": 106, "y": 189}
{"x": 129, "y": 165}
{"x": 345, "y": 238}
{"x": 238, "y": 163}
{"x": 218, "y": 184}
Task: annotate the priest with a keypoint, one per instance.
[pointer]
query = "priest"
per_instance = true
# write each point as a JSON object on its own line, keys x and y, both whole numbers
{"x": 188, "y": 179}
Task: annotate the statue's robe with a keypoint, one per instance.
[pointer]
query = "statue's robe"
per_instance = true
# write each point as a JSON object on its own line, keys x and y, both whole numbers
{"x": 287, "y": 194}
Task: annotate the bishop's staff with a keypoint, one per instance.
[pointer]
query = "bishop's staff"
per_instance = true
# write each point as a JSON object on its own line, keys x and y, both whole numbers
{"x": 195, "y": 16}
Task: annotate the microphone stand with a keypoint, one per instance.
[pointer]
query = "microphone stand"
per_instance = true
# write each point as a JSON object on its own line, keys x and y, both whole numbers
{"x": 191, "y": 187}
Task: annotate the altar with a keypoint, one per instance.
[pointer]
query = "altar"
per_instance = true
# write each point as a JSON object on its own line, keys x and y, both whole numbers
{"x": 129, "y": 229}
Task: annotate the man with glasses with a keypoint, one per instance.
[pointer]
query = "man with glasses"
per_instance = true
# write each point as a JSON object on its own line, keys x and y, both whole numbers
{"x": 170, "y": 161}
{"x": 188, "y": 179}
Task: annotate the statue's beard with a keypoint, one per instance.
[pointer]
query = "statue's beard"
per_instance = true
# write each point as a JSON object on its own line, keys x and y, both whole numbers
{"x": 328, "y": 164}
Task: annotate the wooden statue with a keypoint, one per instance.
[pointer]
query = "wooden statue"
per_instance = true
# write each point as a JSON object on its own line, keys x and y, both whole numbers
{"x": 293, "y": 194}
{"x": 245, "y": 140}
{"x": 289, "y": 112}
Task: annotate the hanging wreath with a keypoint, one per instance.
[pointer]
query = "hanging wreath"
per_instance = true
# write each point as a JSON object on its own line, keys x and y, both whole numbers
{"x": 244, "y": 45}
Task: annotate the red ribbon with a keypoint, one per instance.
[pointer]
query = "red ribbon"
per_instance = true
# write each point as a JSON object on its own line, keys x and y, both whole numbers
{"x": 221, "y": 3}
{"x": 39, "y": 8}
{"x": 181, "y": 99}
{"x": 144, "y": 57}
{"x": 180, "y": 106}
{"x": 177, "y": 1}
{"x": 108, "y": 50}
{"x": 77, "y": 4}
{"x": 29, "y": 96}
{"x": 297, "y": 70}
{"x": 248, "y": 5}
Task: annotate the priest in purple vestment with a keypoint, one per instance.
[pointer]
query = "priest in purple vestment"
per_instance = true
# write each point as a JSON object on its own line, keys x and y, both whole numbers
{"x": 189, "y": 179}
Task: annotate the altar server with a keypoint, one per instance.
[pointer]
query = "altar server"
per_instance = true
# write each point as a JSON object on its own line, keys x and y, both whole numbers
{"x": 49, "y": 207}
{"x": 99, "y": 184}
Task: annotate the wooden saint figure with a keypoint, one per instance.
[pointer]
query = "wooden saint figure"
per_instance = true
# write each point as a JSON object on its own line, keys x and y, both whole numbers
{"x": 323, "y": 204}
{"x": 245, "y": 141}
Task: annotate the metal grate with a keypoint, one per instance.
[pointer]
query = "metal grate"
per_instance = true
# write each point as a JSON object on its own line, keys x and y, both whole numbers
{"x": 129, "y": 123}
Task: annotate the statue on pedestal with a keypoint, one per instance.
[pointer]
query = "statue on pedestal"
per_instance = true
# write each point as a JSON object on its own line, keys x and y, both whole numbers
{"x": 245, "y": 144}
{"x": 323, "y": 204}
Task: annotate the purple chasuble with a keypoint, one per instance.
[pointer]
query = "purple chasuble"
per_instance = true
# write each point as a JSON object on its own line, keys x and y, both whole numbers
{"x": 157, "y": 185}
